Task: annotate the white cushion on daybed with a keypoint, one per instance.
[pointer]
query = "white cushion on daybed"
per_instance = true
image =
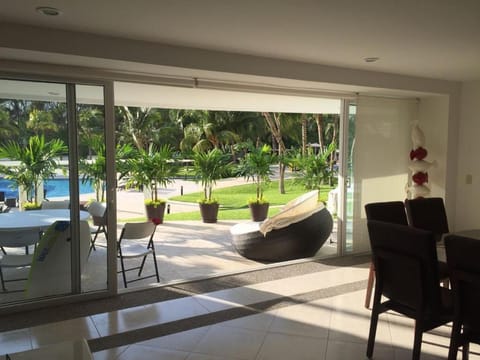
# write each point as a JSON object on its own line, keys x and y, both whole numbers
{"x": 294, "y": 211}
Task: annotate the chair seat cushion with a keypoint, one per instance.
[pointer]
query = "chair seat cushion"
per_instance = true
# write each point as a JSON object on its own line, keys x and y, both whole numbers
{"x": 134, "y": 250}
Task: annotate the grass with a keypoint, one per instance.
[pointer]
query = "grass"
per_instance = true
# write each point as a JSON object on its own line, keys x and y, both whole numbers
{"x": 233, "y": 201}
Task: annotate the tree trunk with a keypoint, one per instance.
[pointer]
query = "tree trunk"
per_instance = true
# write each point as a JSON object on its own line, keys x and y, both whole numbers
{"x": 304, "y": 134}
{"x": 333, "y": 154}
{"x": 274, "y": 126}
{"x": 319, "y": 121}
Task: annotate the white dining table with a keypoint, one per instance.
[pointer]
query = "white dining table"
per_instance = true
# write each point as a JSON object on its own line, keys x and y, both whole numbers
{"x": 35, "y": 219}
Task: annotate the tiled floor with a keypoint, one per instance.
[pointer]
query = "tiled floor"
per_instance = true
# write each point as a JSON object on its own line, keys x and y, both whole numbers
{"x": 319, "y": 315}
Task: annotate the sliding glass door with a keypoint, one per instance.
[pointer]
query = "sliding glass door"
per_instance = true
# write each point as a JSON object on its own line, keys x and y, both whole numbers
{"x": 52, "y": 167}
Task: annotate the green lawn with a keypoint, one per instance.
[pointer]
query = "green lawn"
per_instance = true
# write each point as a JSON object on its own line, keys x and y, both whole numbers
{"x": 233, "y": 200}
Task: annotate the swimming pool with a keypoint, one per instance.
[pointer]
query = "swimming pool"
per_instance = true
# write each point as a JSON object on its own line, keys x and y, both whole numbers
{"x": 54, "y": 187}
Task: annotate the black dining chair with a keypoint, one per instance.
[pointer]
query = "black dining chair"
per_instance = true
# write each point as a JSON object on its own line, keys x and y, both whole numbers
{"x": 428, "y": 214}
{"x": 462, "y": 259}
{"x": 387, "y": 211}
{"x": 399, "y": 253}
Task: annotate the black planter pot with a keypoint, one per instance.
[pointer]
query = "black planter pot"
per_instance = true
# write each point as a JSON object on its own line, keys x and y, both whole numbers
{"x": 155, "y": 212}
{"x": 259, "y": 212}
{"x": 209, "y": 212}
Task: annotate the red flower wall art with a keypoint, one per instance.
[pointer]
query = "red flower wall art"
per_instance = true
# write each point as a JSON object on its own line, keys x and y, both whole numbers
{"x": 418, "y": 165}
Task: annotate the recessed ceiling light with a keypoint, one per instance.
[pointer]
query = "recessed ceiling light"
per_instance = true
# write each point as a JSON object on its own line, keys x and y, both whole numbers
{"x": 54, "y": 93}
{"x": 371, "y": 59}
{"x": 48, "y": 11}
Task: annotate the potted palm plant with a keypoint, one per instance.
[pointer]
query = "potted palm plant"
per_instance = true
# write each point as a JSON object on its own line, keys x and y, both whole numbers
{"x": 37, "y": 162}
{"x": 256, "y": 165}
{"x": 149, "y": 170}
{"x": 209, "y": 167}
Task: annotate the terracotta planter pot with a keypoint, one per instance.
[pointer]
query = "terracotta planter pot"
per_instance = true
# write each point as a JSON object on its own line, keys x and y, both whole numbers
{"x": 209, "y": 212}
{"x": 259, "y": 212}
{"x": 155, "y": 212}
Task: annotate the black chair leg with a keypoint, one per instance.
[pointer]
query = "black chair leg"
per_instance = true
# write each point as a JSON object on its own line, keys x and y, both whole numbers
{"x": 123, "y": 272}
{"x": 3, "y": 250}
{"x": 156, "y": 266}
{"x": 373, "y": 331}
{"x": 454, "y": 341}
{"x": 141, "y": 266}
{"x": 417, "y": 341}
{"x": 465, "y": 350}
{"x": 2, "y": 280}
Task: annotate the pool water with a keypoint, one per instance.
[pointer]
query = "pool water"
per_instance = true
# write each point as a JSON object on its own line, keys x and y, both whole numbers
{"x": 54, "y": 188}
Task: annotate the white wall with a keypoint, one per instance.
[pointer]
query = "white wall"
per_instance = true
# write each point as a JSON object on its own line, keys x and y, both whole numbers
{"x": 433, "y": 120}
{"x": 468, "y": 195}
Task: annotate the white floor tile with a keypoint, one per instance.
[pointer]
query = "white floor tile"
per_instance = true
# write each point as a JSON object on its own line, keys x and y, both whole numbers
{"x": 110, "y": 354}
{"x": 15, "y": 341}
{"x": 184, "y": 341}
{"x": 282, "y": 346}
{"x": 341, "y": 350}
{"x": 136, "y": 352}
{"x": 310, "y": 319}
{"x": 234, "y": 343}
{"x": 73, "y": 329}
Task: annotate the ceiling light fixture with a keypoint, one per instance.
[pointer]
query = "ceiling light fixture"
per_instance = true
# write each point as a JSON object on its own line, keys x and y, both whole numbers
{"x": 371, "y": 59}
{"x": 48, "y": 11}
{"x": 54, "y": 93}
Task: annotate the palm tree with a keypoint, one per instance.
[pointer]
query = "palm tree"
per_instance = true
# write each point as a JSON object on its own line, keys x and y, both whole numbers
{"x": 7, "y": 129}
{"x": 209, "y": 167}
{"x": 37, "y": 162}
{"x": 152, "y": 168}
{"x": 210, "y": 132}
{"x": 95, "y": 170}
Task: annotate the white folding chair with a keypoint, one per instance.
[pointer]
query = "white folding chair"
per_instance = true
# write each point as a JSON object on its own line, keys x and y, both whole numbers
{"x": 129, "y": 248}
{"x": 98, "y": 212}
{"x": 16, "y": 238}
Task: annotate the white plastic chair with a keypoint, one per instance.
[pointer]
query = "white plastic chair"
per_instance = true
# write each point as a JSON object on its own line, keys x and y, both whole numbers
{"x": 16, "y": 238}
{"x": 50, "y": 273}
{"x": 98, "y": 212}
{"x": 129, "y": 248}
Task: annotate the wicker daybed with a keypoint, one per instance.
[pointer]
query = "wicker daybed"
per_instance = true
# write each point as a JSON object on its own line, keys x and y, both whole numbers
{"x": 298, "y": 231}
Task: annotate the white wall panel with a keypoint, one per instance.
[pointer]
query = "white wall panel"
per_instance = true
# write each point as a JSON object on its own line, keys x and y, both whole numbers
{"x": 381, "y": 154}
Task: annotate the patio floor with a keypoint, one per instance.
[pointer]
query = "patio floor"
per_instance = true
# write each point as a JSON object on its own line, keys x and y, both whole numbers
{"x": 186, "y": 250}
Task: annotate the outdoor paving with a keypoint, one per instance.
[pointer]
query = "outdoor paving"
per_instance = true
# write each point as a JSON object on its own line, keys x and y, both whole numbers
{"x": 186, "y": 250}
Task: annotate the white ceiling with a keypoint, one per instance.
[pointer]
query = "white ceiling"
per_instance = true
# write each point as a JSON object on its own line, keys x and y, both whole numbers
{"x": 435, "y": 39}
{"x": 428, "y": 38}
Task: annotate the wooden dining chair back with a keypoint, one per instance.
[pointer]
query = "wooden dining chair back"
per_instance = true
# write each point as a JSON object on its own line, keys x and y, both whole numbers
{"x": 136, "y": 241}
{"x": 98, "y": 212}
{"x": 401, "y": 252}
{"x": 13, "y": 260}
{"x": 387, "y": 211}
{"x": 462, "y": 259}
{"x": 428, "y": 214}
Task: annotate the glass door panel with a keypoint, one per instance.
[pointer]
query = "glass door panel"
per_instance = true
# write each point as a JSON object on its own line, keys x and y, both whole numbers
{"x": 92, "y": 173}
{"x": 346, "y": 177}
{"x": 46, "y": 134}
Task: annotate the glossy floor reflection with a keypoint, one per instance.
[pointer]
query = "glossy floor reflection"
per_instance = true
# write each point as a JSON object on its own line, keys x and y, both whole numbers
{"x": 319, "y": 315}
